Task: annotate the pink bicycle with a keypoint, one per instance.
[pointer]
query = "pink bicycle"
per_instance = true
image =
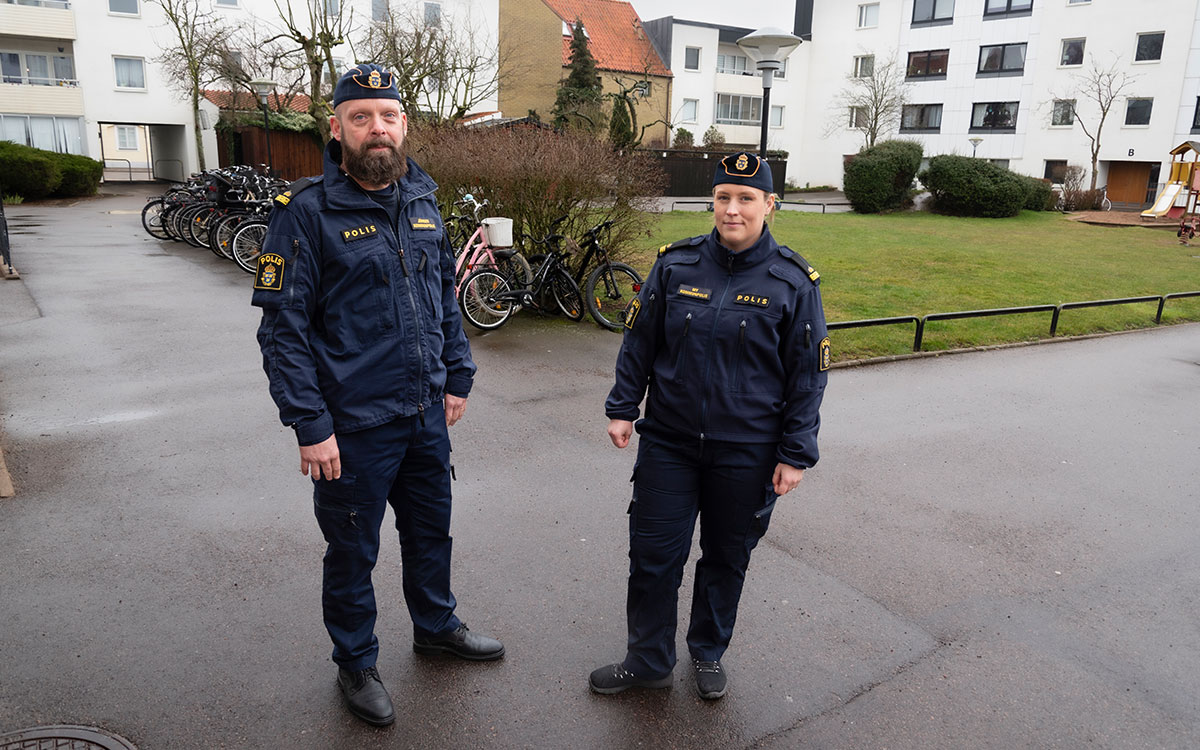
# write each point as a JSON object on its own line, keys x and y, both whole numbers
{"x": 477, "y": 252}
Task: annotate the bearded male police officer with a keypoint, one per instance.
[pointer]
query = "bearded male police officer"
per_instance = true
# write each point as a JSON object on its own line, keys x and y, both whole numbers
{"x": 367, "y": 359}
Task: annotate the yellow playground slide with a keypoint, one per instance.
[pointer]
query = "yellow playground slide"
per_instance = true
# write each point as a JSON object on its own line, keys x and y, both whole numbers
{"x": 1165, "y": 200}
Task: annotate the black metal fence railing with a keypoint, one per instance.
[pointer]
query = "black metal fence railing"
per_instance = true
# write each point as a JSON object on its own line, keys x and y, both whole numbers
{"x": 920, "y": 322}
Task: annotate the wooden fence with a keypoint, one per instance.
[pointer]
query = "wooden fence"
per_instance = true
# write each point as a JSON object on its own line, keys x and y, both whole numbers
{"x": 293, "y": 155}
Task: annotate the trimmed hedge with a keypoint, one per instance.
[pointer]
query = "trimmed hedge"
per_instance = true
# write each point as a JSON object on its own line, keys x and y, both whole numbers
{"x": 34, "y": 173}
{"x": 1038, "y": 196}
{"x": 880, "y": 178}
{"x": 965, "y": 186}
{"x": 28, "y": 172}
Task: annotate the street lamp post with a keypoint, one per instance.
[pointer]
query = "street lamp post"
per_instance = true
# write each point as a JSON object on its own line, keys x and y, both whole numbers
{"x": 262, "y": 88}
{"x": 974, "y": 145}
{"x": 768, "y": 48}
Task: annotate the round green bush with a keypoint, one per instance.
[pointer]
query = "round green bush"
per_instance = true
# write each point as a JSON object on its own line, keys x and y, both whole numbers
{"x": 965, "y": 186}
{"x": 880, "y": 178}
{"x": 1038, "y": 196}
{"x": 28, "y": 172}
{"x": 80, "y": 175}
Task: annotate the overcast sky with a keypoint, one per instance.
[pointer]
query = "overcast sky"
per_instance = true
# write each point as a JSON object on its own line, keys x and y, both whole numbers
{"x": 751, "y": 14}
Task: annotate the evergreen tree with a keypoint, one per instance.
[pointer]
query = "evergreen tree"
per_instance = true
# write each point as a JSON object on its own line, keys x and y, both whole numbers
{"x": 579, "y": 100}
{"x": 620, "y": 126}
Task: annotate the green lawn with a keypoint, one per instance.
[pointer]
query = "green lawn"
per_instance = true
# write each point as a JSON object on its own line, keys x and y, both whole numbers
{"x": 920, "y": 263}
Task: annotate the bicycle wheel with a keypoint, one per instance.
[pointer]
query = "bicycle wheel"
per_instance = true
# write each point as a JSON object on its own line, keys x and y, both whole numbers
{"x": 478, "y": 300}
{"x": 171, "y": 221}
{"x": 610, "y": 287}
{"x": 516, "y": 268}
{"x": 184, "y": 223}
{"x": 567, "y": 294}
{"x": 220, "y": 234}
{"x": 152, "y": 220}
{"x": 247, "y": 243}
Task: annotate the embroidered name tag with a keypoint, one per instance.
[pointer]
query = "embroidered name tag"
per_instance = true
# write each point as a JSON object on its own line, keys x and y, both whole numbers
{"x": 694, "y": 292}
{"x": 825, "y": 355}
{"x": 752, "y": 299}
{"x": 270, "y": 272}
{"x": 358, "y": 233}
{"x": 423, "y": 224}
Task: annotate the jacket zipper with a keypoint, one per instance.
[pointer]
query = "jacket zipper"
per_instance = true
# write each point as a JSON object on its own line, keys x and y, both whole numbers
{"x": 712, "y": 336}
{"x": 741, "y": 354}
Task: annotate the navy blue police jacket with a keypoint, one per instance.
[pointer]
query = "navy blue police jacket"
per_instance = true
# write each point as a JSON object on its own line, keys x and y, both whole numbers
{"x": 360, "y": 323}
{"x": 731, "y": 346}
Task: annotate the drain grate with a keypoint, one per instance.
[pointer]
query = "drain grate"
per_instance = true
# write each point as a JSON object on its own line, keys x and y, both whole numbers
{"x": 63, "y": 737}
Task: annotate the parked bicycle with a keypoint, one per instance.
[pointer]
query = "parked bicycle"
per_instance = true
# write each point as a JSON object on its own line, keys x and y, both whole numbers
{"x": 611, "y": 285}
{"x": 480, "y": 248}
{"x": 490, "y": 296}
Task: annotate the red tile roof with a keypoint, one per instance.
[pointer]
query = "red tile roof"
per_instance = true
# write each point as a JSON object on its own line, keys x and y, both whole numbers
{"x": 244, "y": 100}
{"x": 615, "y": 35}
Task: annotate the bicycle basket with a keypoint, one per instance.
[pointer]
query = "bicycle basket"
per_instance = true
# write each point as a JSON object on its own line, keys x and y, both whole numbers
{"x": 499, "y": 231}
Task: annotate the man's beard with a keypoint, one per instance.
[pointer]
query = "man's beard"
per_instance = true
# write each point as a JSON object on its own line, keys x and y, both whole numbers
{"x": 375, "y": 167}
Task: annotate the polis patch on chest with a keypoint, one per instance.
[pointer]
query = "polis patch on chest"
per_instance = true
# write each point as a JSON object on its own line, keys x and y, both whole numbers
{"x": 752, "y": 299}
{"x": 694, "y": 292}
{"x": 358, "y": 233}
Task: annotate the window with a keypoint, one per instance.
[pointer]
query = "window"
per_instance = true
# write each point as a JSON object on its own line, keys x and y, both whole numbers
{"x": 1196, "y": 117}
{"x": 994, "y": 116}
{"x": 932, "y": 11}
{"x": 10, "y": 66}
{"x": 1137, "y": 111}
{"x": 691, "y": 58}
{"x": 780, "y": 74}
{"x": 1004, "y": 7}
{"x": 37, "y": 68}
{"x": 1149, "y": 47}
{"x": 776, "y": 117}
{"x": 1078, "y": 2}
{"x": 688, "y": 112}
{"x": 868, "y": 16}
{"x": 1002, "y": 163}
{"x": 928, "y": 64}
{"x": 864, "y": 66}
{"x": 379, "y": 10}
{"x": 1056, "y": 170}
{"x": 127, "y": 139}
{"x": 60, "y": 134}
{"x": 128, "y": 7}
{"x": 1063, "y": 114}
{"x": 860, "y": 117}
{"x": 1072, "y": 52}
{"x": 328, "y": 7}
{"x": 433, "y": 14}
{"x": 64, "y": 70}
{"x": 130, "y": 72}
{"x": 921, "y": 117}
{"x": 34, "y": 69}
{"x": 1002, "y": 58}
{"x": 227, "y": 3}
{"x": 733, "y": 64}
{"x": 734, "y": 109}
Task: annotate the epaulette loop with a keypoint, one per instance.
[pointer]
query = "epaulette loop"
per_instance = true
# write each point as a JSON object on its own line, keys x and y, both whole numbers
{"x": 295, "y": 188}
{"x": 808, "y": 270}
{"x": 688, "y": 242}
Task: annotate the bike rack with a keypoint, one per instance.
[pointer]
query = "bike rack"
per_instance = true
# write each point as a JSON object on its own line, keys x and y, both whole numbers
{"x": 1055, "y": 309}
{"x": 128, "y": 163}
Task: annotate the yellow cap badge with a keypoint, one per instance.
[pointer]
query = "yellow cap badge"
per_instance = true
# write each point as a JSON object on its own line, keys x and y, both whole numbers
{"x": 374, "y": 80}
{"x": 743, "y": 161}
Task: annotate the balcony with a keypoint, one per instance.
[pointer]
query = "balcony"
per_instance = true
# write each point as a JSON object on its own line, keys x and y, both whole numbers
{"x": 62, "y": 100}
{"x": 42, "y": 19}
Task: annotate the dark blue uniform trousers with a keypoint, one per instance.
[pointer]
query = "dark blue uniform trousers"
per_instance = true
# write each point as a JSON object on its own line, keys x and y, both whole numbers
{"x": 729, "y": 486}
{"x": 406, "y": 464}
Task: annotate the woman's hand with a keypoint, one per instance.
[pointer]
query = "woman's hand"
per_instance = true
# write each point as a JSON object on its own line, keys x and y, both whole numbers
{"x": 786, "y": 477}
{"x": 619, "y": 432}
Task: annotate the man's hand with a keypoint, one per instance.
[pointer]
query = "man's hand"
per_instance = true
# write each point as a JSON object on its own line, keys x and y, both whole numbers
{"x": 322, "y": 459}
{"x": 455, "y": 408}
{"x": 619, "y": 431}
{"x": 786, "y": 478}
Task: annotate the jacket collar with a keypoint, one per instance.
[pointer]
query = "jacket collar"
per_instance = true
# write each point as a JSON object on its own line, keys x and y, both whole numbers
{"x": 343, "y": 193}
{"x": 761, "y": 249}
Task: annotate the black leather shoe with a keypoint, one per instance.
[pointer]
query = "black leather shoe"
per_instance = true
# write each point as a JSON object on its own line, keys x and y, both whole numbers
{"x": 615, "y": 678}
{"x": 711, "y": 681}
{"x": 461, "y": 643}
{"x": 366, "y": 697}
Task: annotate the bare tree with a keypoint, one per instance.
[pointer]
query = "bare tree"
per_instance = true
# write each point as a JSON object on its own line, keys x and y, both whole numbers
{"x": 873, "y": 100}
{"x": 1099, "y": 88}
{"x": 324, "y": 24}
{"x": 188, "y": 60}
{"x": 630, "y": 91}
{"x": 245, "y": 54}
{"x": 442, "y": 70}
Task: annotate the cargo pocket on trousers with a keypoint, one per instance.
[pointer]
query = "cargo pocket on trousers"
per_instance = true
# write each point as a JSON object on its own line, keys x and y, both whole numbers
{"x": 761, "y": 519}
{"x": 336, "y": 508}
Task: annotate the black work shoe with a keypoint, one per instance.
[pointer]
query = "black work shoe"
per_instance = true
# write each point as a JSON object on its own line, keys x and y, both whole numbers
{"x": 461, "y": 643}
{"x": 710, "y": 679}
{"x": 366, "y": 697}
{"x": 615, "y": 678}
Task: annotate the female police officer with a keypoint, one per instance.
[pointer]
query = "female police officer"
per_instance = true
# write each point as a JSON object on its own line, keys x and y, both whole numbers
{"x": 728, "y": 335}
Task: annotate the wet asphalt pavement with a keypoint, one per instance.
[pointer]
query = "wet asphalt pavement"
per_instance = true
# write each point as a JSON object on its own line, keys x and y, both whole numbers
{"x": 997, "y": 550}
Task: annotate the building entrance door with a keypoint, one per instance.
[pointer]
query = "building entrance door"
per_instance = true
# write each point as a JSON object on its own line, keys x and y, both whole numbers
{"x": 1128, "y": 181}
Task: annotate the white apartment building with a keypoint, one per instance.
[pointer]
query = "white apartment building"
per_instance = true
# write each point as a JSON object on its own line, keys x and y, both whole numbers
{"x": 80, "y": 76}
{"x": 975, "y": 69}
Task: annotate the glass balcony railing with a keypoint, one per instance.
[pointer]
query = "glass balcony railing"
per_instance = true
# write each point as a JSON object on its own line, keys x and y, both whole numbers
{"x": 38, "y": 81}
{"x": 60, "y": 4}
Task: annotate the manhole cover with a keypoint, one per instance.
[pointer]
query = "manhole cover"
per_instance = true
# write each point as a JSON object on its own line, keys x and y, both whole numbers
{"x": 63, "y": 737}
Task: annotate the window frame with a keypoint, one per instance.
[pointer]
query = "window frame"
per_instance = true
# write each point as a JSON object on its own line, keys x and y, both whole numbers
{"x": 23, "y": 77}
{"x": 1009, "y": 11}
{"x": 129, "y": 129}
{"x": 934, "y": 19}
{"x": 853, "y": 123}
{"x": 742, "y": 99}
{"x": 1052, "y": 164}
{"x": 429, "y": 5}
{"x": 858, "y": 60}
{"x": 695, "y": 111}
{"x": 929, "y": 107}
{"x": 1055, "y": 109}
{"x": 380, "y": 5}
{"x": 1062, "y": 63}
{"x": 688, "y": 49}
{"x": 927, "y": 76}
{"x": 771, "y": 117}
{"x": 724, "y": 57}
{"x": 227, "y": 4}
{"x": 1015, "y": 114}
{"x": 1138, "y": 43}
{"x": 116, "y": 82}
{"x": 862, "y": 13}
{"x": 1001, "y": 71}
{"x": 126, "y": 14}
{"x": 1196, "y": 117}
{"x": 1149, "y": 113}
